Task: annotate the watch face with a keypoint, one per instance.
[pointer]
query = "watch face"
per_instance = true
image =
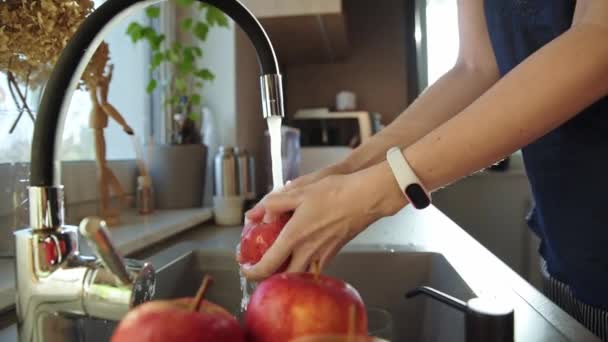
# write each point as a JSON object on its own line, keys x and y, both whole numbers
{"x": 417, "y": 196}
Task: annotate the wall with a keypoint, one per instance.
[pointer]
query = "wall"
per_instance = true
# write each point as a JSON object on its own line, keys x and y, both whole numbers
{"x": 375, "y": 68}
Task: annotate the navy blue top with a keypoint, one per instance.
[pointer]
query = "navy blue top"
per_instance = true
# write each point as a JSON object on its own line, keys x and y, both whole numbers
{"x": 567, "y": 168}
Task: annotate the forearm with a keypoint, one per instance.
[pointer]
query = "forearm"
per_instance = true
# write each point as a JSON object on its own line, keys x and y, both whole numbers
{"x": 453, "y": 92}
{"x": 543, "y": 92}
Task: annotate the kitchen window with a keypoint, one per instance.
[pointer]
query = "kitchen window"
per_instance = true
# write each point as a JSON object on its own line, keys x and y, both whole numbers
{"x": 442, "y": 37}
{"x": 127, "y": 94}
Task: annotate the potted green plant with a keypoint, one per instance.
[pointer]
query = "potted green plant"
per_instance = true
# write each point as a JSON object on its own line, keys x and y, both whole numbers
{"x": 178, "y": 167}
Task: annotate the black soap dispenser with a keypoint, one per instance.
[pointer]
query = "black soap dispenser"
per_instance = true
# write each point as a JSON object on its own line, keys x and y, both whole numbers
{"x": 486, "y": 320}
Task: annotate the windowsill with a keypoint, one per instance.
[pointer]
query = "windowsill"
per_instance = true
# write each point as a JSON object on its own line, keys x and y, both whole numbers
{"x": 134, "y": 234}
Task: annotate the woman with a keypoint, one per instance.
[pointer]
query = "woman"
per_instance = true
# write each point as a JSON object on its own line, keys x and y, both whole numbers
{"x": 530, "y": 75}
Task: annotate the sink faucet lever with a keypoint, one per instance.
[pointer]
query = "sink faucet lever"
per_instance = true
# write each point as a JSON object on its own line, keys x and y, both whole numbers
{"x": 96, "y": 232}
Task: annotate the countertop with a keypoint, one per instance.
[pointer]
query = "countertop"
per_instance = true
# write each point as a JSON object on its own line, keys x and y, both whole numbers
{"x": 536, "y": 317}
{"x": 133, "y": 234}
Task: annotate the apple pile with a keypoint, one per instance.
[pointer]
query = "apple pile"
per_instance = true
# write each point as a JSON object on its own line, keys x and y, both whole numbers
{"x": 184, "y": 320}
{"x": 256, "y": 239}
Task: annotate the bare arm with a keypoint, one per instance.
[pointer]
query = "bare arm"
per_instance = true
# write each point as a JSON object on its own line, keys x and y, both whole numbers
{"x": 544, "y": 91}
{"x": 474, "y": 73}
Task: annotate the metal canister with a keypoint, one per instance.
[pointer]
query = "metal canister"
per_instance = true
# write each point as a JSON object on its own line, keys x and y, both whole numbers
{"x": 225, "y": 175}
{"x": 246, "y": 166}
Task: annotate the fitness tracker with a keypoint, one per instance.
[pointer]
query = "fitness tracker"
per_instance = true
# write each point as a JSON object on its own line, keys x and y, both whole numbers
{"x": 409, "y": 183}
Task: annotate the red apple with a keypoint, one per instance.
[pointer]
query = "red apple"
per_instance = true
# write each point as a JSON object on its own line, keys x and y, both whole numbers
{"x": 184, "y": 320}
{"x": 256, "y": 239}
{"x": 293, "y": 305}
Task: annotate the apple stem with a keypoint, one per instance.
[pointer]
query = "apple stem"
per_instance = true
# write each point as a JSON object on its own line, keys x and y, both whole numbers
{"x": 316, "y": 269}
{"x": 352, "y": 322}
{"x": 200, "y": 294}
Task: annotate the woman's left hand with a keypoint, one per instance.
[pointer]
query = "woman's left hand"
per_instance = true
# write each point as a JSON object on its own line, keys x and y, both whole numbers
{"x": 326, "y": 215}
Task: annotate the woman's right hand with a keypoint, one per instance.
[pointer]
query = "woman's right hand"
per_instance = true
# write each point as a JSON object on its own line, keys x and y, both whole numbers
{"x": 258, "y": 213}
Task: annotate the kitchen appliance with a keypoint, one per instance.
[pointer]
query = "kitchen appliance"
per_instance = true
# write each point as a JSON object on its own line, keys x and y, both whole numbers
{"x": 320, "y": 127}
{"x": 328, "y": 137}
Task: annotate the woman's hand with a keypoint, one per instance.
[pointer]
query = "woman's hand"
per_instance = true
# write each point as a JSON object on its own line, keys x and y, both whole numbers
{"x": 259, "y": 213}
{"x": 327, "y": 214}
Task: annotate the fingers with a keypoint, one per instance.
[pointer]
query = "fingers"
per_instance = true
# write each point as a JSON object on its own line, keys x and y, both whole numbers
{"x": 256, "y": 214}
{"x": 276, "y": 204}
{"x": 329, "y": 252}
{"x": 274, "y": 257}
{"x": 302, "y": 257}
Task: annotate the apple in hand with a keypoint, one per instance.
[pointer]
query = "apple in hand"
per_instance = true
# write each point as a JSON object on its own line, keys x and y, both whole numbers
{"x": 184, "y": 320}
{"x": 256, "y": 239}
{"x": 287, "y": 306}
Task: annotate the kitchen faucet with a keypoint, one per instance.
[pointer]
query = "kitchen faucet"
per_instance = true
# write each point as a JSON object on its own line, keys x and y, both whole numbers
{"x": 55, "y": 284}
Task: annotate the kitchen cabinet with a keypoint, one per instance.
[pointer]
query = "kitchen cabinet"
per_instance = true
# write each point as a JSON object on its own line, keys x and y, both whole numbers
{"x": 304, "y": 32}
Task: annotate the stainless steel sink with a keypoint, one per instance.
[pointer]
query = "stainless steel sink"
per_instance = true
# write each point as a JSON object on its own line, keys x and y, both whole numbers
{"x": 381, "y": 275}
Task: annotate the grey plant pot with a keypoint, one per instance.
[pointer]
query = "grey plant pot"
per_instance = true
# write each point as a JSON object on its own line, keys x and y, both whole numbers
{"x": 178, "y": 175}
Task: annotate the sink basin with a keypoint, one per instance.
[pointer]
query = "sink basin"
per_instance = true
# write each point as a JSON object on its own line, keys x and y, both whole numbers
{"x": 381, "y": 275}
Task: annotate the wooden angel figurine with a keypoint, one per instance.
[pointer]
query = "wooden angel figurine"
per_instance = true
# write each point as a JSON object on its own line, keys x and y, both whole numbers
{"x": 97, "y": 78}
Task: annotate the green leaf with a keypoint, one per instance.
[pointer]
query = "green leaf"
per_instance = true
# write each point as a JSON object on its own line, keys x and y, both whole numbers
{"x": 205, "y": 74}
{"x": 134, "y": 31}
{"x": 177, "y": 46}
{"x": 150, "y": 35}
{"x": 185, "y": 2}
{"x": 186, "y": 67}
{"x": 198, "y": 84}
{"x": 151, "y": 86}
{"x": 172, "y": 56}
{"x": 194, "y": 116}
{"x": 173, "y": 100}
{"x": 157, "y": 59}
{"x": 186, "y": 24}
{"x": 198, "y": 51}
{"x": 200, "y": 30}
{"x": 180, "y": 84}
{"x": 189, "y": 54}
{"x": 153, "y": 12}
{"x": 155, "y": 42}
{"x": 195, "y": 99}
{"x": 216, "y": 17}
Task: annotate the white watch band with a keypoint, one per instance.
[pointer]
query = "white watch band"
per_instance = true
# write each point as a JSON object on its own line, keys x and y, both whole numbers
{"x": 408, "y": 182}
